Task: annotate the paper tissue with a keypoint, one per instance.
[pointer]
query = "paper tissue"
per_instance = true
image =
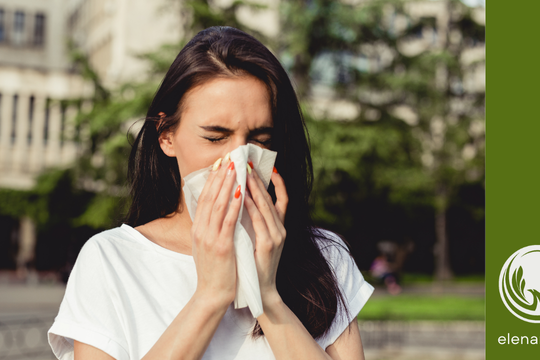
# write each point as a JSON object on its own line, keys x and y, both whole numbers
{"x": 247, "y": 285}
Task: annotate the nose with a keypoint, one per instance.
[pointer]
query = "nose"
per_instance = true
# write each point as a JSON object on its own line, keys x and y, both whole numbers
{"x": 237, "y": 141}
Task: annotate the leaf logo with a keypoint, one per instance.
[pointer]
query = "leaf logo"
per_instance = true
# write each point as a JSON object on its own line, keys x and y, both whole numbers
{"x": 519, "y": 282}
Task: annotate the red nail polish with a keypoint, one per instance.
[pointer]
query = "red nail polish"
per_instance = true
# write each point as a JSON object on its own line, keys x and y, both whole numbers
{"x": 231, "y": 166}
{"x": 237, "y": 193}
{"x": 275, "y": 170}
{"x": 250, "y": 163}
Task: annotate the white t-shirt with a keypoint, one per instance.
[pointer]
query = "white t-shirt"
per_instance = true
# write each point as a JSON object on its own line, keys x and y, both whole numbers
{"x": 125, "y": 290}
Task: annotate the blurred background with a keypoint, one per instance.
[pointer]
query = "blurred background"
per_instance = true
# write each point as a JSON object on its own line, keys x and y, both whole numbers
{"x": 393, "y": 94}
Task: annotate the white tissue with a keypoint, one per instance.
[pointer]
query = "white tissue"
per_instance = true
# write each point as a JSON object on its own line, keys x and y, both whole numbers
{"x": 247, "y": 284}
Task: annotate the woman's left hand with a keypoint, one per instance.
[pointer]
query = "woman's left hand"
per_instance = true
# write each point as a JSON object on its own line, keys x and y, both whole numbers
{"x": 268, "y": 220}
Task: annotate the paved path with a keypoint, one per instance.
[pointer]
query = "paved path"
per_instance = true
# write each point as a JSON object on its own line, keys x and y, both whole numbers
{"x": 27, "y": 311}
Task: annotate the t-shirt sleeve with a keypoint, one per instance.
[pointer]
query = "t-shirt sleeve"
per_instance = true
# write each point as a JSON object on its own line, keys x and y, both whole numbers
{"x": 356, "y": 291}
{"x": 88, "y": 311}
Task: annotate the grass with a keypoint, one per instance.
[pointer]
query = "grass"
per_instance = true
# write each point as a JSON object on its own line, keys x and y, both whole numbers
{"x": 407, "y": 307}
{"x": 412, "y": 278}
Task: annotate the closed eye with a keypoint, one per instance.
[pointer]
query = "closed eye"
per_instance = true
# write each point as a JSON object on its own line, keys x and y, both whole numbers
{"x": 263, "y": 142}
{"x": 214, "y": 139}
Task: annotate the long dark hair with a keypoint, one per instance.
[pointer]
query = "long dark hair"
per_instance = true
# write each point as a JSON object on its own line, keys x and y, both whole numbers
{"x": 305, "y": 281}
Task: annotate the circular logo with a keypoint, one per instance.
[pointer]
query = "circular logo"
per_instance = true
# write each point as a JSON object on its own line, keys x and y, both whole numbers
{"x": 519, "y": 284}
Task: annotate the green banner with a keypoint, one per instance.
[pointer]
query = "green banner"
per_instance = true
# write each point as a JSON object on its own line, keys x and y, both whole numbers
{"x": 512, "y": 185}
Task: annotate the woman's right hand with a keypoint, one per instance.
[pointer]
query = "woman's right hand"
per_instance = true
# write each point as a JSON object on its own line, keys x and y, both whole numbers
{"x": 212, "y": 236}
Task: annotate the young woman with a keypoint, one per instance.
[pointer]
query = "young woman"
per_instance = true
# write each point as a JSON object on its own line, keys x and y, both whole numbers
{"x": 162, "y": 285}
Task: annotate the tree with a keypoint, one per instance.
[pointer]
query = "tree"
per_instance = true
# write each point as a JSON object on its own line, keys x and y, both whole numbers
{"x": 392, "y": 64}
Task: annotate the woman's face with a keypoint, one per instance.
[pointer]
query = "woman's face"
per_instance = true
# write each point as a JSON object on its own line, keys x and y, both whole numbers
{"x": 217, "y": 117}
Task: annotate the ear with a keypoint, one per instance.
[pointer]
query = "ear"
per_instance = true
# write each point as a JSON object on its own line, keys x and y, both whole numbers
{"x": 165, "y": 139}
{"x": 166, "y": 143}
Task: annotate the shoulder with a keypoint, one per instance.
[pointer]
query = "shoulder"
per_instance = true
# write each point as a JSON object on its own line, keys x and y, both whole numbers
{"x": 332, "y": 246}
{"x": 104, "y": 252}
{"x": 354, "y": 290}
{"x": 344, "y": 267}
{"x": 118, "y": 238}
{"x": 111, "y": 236}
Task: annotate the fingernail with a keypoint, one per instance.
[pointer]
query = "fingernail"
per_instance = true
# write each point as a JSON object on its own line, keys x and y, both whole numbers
{"x": 230, "y": 168}
{"x": 250, "y": 163}
{"x": 238, "y": 192}
{"x": 227, "y": 157}
{"x": 248, "y": 169}
{"x": 216, "y": 164}
{"x": 275, "y": 170}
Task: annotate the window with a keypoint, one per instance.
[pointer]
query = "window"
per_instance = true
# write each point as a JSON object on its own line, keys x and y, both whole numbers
{"x": 2, "y": 25}
{"x": 39, "y": 30}
{"x": 30, "y": 120}
{"x": 18, "y": 28}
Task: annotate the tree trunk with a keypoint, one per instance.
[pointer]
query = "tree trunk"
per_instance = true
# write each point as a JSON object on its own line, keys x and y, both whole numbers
{"x": 443, "y": 270}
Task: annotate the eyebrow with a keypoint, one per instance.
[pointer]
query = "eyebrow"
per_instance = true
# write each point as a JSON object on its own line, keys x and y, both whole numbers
{"x": 221, "y": 129}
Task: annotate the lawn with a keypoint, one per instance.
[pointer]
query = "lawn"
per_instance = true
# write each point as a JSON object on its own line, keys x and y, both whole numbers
{"x": 409, "y": 307}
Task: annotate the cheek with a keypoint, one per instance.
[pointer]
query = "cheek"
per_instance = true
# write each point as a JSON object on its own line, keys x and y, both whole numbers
{"x": 192, "y": 155}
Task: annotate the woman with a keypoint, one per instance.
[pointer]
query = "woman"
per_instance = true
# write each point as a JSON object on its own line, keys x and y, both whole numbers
{"x": 162, "y": 286}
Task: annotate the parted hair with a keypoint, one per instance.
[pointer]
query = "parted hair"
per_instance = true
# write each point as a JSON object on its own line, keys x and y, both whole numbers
{"x": 305, "y": 280}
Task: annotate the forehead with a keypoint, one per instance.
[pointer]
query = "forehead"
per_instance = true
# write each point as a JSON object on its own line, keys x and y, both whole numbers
{"x": 239, "y": 100}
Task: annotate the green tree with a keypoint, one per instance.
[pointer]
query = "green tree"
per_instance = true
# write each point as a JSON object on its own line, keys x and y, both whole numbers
{"x": 392, "y": 64}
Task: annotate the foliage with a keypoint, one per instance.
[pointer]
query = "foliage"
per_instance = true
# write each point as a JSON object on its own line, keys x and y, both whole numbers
{"x": 14, "y": 203}
{"x": 52, "y": 201}
{"x": 368, "y": 156}
{"x": 419, "y": 125}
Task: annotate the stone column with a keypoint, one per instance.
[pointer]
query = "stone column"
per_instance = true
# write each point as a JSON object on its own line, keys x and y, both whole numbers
{"x": 37, "y": 147}
{"x": 27, "y": 246}
{"x": 6, "y": 110}
{"x": 20, "y": 149}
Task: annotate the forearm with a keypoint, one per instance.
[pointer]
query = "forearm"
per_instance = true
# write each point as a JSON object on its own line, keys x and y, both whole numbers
{"x": 188, "y": 336}
{"x": 286, "y": 334}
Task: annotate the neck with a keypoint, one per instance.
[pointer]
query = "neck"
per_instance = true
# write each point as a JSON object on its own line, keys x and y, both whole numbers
{"x": 172, "y": 232}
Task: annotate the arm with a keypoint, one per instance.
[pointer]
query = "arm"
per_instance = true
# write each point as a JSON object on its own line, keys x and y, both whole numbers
{"x": 348, "y": 345}
{"x": 189, "y": 334}
{"x": 289, "y": 339}
{"x": 187, "y": 337}
{"x": 286, "y": 334}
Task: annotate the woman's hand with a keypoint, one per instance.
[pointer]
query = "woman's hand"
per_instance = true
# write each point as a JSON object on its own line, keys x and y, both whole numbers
{"x": 268, "y": 220}
{"x": 212, "y": 235}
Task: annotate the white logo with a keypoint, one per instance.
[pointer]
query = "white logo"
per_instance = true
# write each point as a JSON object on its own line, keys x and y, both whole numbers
{"x": 519, "y": 284}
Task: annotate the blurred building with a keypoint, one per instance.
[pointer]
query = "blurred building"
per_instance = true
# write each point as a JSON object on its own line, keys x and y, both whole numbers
{"x": 114, "y": 32}
{"x": 35, "y": 77}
